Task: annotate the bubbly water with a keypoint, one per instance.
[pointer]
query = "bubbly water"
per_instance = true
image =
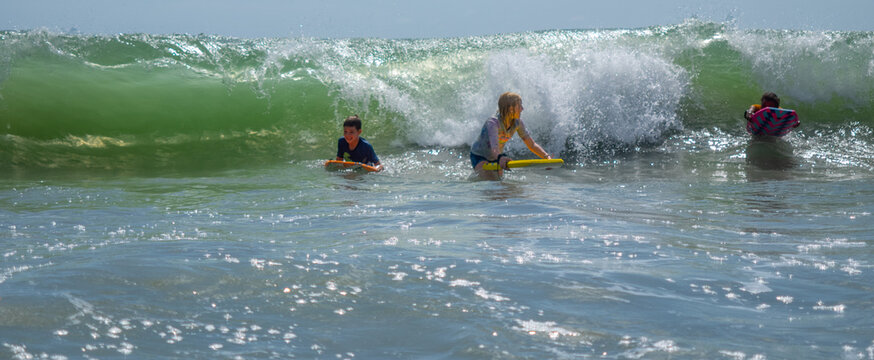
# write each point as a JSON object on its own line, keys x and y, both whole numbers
{"x": 164, "y": 197}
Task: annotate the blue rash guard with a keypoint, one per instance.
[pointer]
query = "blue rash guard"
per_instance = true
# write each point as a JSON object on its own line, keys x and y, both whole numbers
{"x": 363, "y": 153}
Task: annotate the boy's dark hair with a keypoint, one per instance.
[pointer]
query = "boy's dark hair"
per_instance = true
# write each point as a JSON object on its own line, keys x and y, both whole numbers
{"x": 771, "y": 98}
{"x": 352, "y": 121}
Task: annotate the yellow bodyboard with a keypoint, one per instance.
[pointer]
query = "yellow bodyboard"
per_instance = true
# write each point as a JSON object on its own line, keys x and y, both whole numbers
{"x": 526, "y": 163}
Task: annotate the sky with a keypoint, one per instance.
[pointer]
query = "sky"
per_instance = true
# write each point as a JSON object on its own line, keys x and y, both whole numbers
{"x": 417, "y": 18}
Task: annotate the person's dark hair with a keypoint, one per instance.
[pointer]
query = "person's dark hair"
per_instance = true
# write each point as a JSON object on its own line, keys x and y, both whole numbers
{"x": 771, "y": 98}
{"x": 353, "y": 121}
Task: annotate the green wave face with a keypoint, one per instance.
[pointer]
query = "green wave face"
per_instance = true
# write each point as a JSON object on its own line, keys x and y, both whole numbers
{"x": 144, "y": 102}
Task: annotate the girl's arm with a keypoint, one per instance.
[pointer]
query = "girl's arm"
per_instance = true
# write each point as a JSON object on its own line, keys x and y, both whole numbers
{"x": 529, "y": 142}
{"x": 494, "y": 141}
{"x": 536, "y": 149}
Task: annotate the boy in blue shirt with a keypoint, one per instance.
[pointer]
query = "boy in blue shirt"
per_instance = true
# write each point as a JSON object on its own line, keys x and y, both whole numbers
{"x": 353, "y": 147}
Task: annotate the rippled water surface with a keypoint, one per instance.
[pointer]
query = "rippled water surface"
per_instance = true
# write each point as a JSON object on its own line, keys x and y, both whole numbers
{"x": 646, "y": 256}
{"x": 163, "y": 196}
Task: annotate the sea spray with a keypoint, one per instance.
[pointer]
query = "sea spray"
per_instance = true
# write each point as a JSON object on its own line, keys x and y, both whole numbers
{"x": 158, "y": 101}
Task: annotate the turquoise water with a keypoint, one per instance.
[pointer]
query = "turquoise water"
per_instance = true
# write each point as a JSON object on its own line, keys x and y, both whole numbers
{"x": 163, "y": 197}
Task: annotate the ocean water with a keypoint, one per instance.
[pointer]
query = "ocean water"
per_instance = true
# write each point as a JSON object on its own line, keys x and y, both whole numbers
{"x": 163, "y": 196}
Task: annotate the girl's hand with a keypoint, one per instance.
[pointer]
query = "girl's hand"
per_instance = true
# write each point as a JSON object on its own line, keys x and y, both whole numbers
{"x": 749, "y": 113}
{"x": 502, "y": 162}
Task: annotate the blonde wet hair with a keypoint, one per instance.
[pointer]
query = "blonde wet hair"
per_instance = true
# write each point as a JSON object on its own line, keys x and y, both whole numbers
{"x": 506, "y": 101}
